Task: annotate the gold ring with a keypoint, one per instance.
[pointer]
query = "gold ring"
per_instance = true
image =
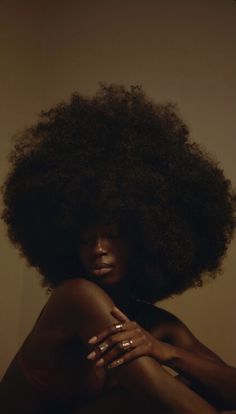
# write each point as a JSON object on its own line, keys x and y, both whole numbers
{"x": 127, "y": 344}
{"x": 115, "y": 363}
{"x": 119, "y": 326}
{"x": 103, "y": 346}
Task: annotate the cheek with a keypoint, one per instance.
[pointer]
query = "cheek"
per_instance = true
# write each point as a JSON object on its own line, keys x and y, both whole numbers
{"x": 83, "y": 254}
{"x": 123, "y": 253}
{"x": 130, "y": 254}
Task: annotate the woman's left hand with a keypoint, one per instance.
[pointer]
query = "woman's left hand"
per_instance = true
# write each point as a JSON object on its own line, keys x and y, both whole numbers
{"x": 125, "y": 341}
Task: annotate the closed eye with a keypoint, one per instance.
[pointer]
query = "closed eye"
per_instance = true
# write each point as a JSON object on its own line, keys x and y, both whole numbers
{"x": 83, "y": 240}
{"x": 113, "y": 236}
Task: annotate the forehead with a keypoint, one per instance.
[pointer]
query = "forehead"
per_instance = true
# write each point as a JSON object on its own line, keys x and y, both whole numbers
{"x": 100, "y": 229}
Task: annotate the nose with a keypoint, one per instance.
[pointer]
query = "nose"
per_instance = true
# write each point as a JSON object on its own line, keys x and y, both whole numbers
{"x": 100, "y": 247}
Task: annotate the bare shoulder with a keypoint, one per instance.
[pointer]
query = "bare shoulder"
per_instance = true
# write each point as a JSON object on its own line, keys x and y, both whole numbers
{"x": 165, "y": 325}
{"x": 79, "y": 293}
{"x": 77, "y": 286}
{"x": 165, "y": 316}
{"x": 173, "y": 330}
{"x": 84, "y": 304}
{"x": 154, "y": 317}
{"x": 171, "y": 321}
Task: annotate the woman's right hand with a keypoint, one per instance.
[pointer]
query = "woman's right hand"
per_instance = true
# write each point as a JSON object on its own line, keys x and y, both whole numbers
{"x": 126, "y": 341}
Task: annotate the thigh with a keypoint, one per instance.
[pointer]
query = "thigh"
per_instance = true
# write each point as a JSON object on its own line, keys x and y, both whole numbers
{"x": 119, "y": 400}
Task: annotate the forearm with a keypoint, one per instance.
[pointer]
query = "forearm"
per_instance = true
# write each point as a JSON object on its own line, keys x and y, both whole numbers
{"x": 217, "y": 378}
{"x": 144, "y": 376}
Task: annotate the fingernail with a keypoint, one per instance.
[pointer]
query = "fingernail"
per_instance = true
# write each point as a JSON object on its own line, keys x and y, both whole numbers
{"x": 93, "y": 340}
{"x": 100, "y": 362}
{"x": 121, "y": 314}
{"x": 117, "y": 309}
{"x": 92, "y": 355}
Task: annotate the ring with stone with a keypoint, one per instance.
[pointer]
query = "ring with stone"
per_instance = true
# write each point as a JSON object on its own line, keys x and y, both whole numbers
{"x": 127, "y": 344}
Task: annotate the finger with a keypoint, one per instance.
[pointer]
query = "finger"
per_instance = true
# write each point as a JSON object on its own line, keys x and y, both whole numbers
{"x": 102, "y": 335}
{"x": 113, "y": 340}
{"x": 112, "y": 330}
{"x": 127, "y": 357}
{"x": 117, "y": 313}
{"x": 123, "y": 347}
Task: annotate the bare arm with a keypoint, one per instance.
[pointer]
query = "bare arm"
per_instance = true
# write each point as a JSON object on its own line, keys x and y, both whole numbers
{"x": 90, "y": 308}
{"x": 214, "y": 380}
{"x": 208, "y": 374}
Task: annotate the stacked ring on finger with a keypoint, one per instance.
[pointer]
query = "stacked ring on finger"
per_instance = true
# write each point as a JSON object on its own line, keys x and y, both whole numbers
{"x": 103, "y": 347}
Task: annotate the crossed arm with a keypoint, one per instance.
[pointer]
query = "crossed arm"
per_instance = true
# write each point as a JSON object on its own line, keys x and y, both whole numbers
{"x": 90, "y": 312}
{"x": 208, "y": 375}
{"x": 171, "y": 343}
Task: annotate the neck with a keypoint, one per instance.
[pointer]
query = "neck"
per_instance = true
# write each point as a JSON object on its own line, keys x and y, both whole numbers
{"x": 118, "y": 291}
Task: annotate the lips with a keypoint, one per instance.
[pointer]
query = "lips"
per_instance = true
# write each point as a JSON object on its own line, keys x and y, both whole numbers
{"x": 101, "y": 266}
{"x": 101, "y": 269}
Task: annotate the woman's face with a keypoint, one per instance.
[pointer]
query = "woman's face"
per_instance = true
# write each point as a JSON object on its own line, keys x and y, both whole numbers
{"x": 104, "y": 254}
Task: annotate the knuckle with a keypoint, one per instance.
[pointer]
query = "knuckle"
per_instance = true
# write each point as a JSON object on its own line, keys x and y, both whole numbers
{"x": 135, "y": 353}
{"x": 148, "y": 342}
{"x": 112, "y": 340}
{"x": 112, "y": 329}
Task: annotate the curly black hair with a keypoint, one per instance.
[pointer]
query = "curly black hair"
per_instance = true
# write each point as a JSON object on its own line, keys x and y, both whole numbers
{"x": 119, "y": 157}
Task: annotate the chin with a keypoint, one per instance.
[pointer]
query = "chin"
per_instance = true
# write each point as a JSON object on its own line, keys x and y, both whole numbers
{"x": 108, "y": 279}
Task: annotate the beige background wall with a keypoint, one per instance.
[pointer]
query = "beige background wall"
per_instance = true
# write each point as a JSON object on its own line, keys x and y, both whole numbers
{"x": 179, "y": 50}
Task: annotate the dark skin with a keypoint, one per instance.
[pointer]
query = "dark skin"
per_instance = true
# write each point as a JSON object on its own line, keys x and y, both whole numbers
{"x": 79, "y": 309}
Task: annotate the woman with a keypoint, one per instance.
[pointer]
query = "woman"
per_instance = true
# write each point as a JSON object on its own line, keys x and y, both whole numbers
{"x": 114, "y": 206}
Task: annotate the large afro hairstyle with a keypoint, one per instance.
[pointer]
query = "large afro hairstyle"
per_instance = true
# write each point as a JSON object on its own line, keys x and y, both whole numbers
{"x": 118, "y": 157}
